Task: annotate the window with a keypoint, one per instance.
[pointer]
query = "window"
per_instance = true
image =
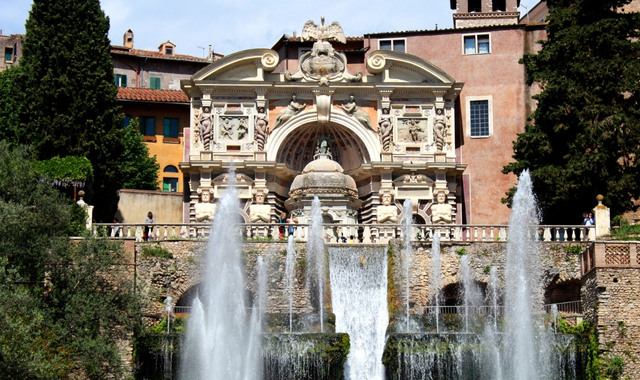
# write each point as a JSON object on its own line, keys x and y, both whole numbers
{"x": 475, "y": 5}
{"x": 170, "y": 184}
{"x": 477, "y": 44}
{"x": 170, "y": 169}
{"x": 154, "y": 83}
{"x": 148, "y": 125}
{"x": 168, "y": 50}
{"x": 479, "y": 117}
{"x": 8, "y": 55}
{"x": 170, "y": 127}
{"x": 398, "y": 45}
{"x": 126, "y": 120}
{"x": 499, "y": 5}
{"x": 120, "y": 80}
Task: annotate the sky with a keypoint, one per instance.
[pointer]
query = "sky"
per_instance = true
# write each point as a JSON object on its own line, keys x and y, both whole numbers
{"x": 232, "y": 25}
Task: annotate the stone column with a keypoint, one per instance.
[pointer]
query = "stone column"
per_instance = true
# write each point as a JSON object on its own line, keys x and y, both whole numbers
{"x": 603, "y": 218}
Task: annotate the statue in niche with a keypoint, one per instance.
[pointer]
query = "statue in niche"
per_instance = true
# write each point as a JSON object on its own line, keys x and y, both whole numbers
{"x": 323, "y": 150}
{"x": 204, "y": 209}
{"x": 387, "y": 213}
{"x": 414, "y": 129}
{"x": 203, "y": 124}
{"x": 258, "y": 211}
{"x": 440, "y": 130}
{"x": 261, "y": 129}
{"x": 384, "y": 129}
{"x": 441, "y": 211}
{"x": 292, "y": 109}
{"x": 351, "y": 108}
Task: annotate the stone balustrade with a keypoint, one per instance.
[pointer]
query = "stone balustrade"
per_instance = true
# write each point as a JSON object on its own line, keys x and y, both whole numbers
{"x": 611, "y": 254}
{"x": 345, "y": 233}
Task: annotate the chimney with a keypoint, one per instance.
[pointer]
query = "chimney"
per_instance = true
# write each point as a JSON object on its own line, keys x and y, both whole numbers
{"x": 127, "y": 39}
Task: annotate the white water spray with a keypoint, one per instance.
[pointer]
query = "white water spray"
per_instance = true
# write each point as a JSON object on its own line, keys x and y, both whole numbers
{"x": 289, "y": 270}
{"x": 436, "y": 277}
{"x": 407, "y": 219}
{"x": 315, "y": 255}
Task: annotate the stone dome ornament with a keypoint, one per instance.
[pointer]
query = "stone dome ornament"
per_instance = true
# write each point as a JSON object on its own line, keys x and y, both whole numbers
{"x": 323, "y": 177}
{"x": 323, "y": 63}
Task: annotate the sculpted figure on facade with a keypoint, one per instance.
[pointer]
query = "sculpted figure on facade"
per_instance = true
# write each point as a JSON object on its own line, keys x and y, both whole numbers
{"x": 385, "y": 129}
{"x": 414, "y": 130}
{"x": 351, "y": 108}
{"x": 387, "y": 213}
{"x": 292, "y": 109}
{"x": 440, "y": 130}
{"x": 203, "y": 124}
{"x": 204, "y": 209}
{"x": 261, "y": 129}
{"x": 441, "y": 211}
{"x": 258, "y": 211}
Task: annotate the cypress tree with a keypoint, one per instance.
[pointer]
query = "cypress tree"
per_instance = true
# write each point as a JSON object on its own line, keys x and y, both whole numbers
{"x": 70, "y": 97}
{"x": 584, "y": 136}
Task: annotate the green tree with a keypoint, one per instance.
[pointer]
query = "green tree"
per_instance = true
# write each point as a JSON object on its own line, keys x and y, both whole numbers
{"x": 63, "y": 304}
{"x": 140, "y": 170}
{"x": 584, "y": 136}
{"x": 69, "y": 103}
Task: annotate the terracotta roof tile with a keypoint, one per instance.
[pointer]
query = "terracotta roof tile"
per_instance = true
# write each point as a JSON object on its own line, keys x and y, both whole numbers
{"x": 157, "y": 55}
{"x": 150, "y": 95}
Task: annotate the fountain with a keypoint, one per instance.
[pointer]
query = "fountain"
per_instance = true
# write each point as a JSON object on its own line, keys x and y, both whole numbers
{"x": 315, "y": 258}
{"x": 407, "y": 220}
{"x": 289, "y": 271}
{"x": 221, "y": 340}
{"x": 359, "y": 298}
{"x": 470, "y": 292}
{"x": 436, "y": 278}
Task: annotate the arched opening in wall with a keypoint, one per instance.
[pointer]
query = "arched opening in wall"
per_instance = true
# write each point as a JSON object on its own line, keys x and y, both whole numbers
{"x": 499, "y": 5}
{"x": 562, "y": 291}
{"x": 475, "y": 5}
{"x": 418, "y": 219}
{"x": 299, "y": 146}
{"x": 184, "y": 303}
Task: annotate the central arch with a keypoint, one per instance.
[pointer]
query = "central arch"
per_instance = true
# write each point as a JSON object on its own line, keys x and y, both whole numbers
{"x": 294, "y": 142}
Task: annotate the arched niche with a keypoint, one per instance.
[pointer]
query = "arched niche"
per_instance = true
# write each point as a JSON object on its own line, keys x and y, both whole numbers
{"x": 305, "y": 126}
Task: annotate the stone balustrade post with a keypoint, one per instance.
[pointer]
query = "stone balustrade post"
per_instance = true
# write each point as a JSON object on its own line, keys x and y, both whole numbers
{"x": 603, "y": 218}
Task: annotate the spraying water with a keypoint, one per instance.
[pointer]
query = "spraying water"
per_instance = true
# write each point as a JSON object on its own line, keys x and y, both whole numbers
{"x": 289, "y": 271}
{"x": 221, "y": 339}
{"x": 315, "y": 254}
{"x": 525, "y": 344}
{"x": 436, "y": 277}
{"x": 261, "y": 292}
{"x": 406, "y": 254}
{"x": 359, "y": 298}
{"x": 471, "y": 294}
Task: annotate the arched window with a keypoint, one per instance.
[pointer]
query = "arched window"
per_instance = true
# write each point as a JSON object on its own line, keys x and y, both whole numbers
{"x": 170, "y": 169}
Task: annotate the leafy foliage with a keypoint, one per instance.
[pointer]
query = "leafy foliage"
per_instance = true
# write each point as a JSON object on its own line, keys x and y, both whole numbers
{"x": 585, "y": 136}
{"x": 63, "y": 97}
{"x": 66, "y": 171}
{"x": 62, "y": 306}
{"x": 139, "y": 170}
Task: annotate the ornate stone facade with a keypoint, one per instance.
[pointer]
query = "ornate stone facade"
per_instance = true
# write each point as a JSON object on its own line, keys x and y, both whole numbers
{"x": 389, "y": 128}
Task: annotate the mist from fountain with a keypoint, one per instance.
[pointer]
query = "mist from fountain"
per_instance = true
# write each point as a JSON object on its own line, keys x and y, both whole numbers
{"x": 491, "y": 334}
{"x": 316, "y": 258}
{"x": 289, "y": 270}
{"x": 406, "y": 256}
{"x": 221, "y": 340}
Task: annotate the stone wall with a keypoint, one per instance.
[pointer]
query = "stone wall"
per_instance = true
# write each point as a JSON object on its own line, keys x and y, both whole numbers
{"x": 165, "y": 206}
{"x": 158, "y": 277}
{"x": 611, "y": 299}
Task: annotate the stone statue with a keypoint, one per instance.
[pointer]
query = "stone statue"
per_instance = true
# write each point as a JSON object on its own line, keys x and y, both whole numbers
{"x": 203, "y": 127}
{"x": 439, "y": 130}
{"x": 441, "y": 211}
{"x": 414, "y": 130}
{"x": 204, "y": 209}
{"x": 292, "y": 109}
{"x": 351, "y": 108}
{"x": 311, "y": 31}
{"x": 261, "y": 129}
{"x": 384, "y": 129}
{"x": 387, "y": 213}
{"x": 258, "y": 211}
{"x": 323, "y": 150}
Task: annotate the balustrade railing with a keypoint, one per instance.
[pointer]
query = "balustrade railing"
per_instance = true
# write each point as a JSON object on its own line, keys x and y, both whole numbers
{"x": 343, "y": 233}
